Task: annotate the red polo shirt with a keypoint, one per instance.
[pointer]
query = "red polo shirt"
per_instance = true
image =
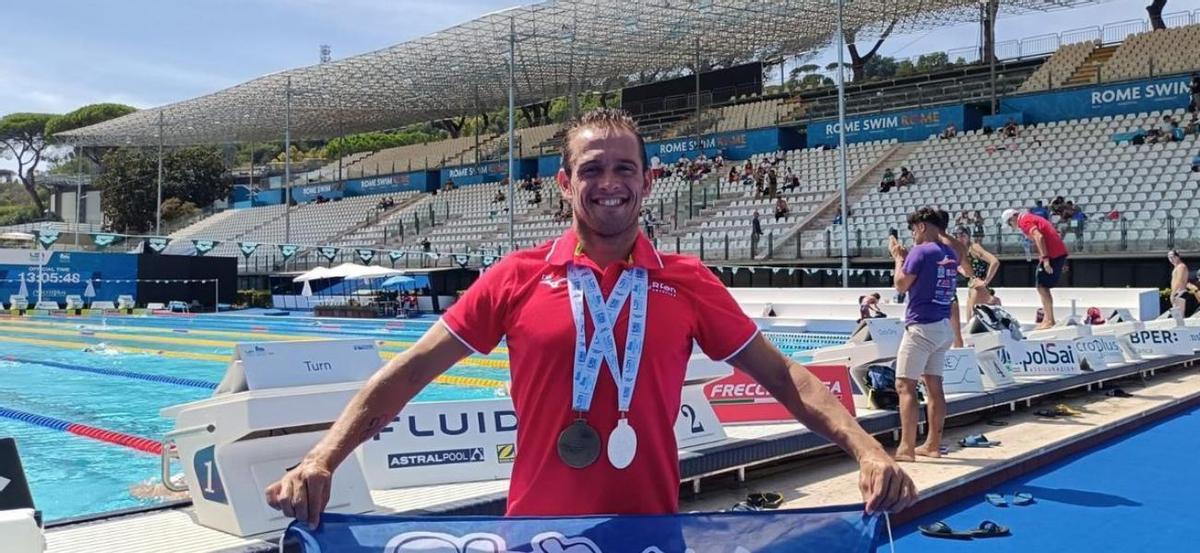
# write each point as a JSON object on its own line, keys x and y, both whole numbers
{"x": 524, "y": 298}
{"x": 1054, "y": 243}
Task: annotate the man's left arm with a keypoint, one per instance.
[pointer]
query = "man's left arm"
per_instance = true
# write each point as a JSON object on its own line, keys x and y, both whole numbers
{"x": 884, "y": 486}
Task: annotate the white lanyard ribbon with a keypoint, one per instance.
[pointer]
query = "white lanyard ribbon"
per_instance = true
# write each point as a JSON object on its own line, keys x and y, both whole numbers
{"x": 581, "y": 287}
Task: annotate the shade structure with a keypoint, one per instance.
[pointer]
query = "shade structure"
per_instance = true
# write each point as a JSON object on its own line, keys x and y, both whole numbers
{"x": 307, "y": 291}
{"x": 560, "y": 46}
{"x": 316, "y": 273}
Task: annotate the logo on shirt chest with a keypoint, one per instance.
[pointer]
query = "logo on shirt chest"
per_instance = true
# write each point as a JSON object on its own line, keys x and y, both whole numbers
{"x": 553, "y": 282}
{"x": 663, "y": 288}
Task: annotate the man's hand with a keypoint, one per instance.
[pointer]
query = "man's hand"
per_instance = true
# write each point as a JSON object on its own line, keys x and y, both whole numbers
{"x": 1047, "y": 267}
{"x": 895, "y": 249}
{"x": 302, "y": 493}
{"x": 884, "y": 485}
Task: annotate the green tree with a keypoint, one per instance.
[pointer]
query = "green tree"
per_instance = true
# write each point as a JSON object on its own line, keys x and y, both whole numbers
{"x": 128, "y": 186}
{"x": 933, "y": 61}
{"x": 880, "y": 67}
{"x": 858, "y": 60}
{"x": 191, "y": 176}
{"x": 23, "y": 139}
{"x": 195, "y": 175}
{"x": 84, "y": 117}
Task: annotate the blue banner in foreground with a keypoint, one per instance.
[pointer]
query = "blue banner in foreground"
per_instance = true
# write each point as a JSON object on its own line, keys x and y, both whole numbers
{"x": 836, "y": 529}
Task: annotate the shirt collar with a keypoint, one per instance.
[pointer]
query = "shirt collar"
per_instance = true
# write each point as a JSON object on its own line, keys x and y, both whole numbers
{"x": 567, "y": 247}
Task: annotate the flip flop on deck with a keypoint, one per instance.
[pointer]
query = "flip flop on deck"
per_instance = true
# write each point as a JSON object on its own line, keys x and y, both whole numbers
{"x": 996, "y": 499}
{"x": 988, "y": 529}
{"x": 977, "y": 440}
{"x": 940, "y": 529}
{"x": 1022, "y": 499}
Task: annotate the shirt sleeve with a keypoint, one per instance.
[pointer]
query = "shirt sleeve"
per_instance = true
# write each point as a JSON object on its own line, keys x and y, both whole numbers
{"x": 912, "y": 261}
{"x": 721, "y": 328}
{"x": 479, "y": 319}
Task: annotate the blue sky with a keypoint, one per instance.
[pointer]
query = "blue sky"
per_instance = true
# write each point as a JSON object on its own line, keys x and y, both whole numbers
{"x": 61, "y": 54}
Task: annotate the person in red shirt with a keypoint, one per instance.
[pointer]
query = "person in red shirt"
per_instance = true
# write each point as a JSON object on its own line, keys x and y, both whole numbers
{"x": 575, "y": 313}
{"x": 1052, "y": 256}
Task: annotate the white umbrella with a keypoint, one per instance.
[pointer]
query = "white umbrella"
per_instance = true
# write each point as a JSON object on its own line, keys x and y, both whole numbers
{"x": 90, "y": 291}
{"x": 315, "y": 274}
{"x": 307, "y": 291}
{"x": 23, "y": 292}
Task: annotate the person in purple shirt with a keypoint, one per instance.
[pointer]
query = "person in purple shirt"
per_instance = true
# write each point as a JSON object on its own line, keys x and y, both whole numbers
{"x": 927, "y": 273}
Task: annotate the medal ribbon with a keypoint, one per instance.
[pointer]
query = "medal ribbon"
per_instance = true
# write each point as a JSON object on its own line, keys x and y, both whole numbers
{"x": 582, "y": 287}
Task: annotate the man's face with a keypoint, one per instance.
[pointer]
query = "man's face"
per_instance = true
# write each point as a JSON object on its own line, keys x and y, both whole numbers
{"x": 607, "y": 182}
{"x": 918, "y": 232}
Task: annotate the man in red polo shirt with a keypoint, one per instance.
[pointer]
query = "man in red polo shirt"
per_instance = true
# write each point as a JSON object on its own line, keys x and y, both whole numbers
{"x": 576, "y": 313}
{"x": 1052, "y": 256}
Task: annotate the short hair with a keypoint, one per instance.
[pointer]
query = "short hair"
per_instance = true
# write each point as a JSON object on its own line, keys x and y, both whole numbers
{"x": 926, "y": 215}
{"x": 944, "y": 216}
{"x": 603, "y": 118}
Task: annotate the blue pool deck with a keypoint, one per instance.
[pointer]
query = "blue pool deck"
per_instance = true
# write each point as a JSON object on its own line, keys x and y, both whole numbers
{"x": 752, "y": 454}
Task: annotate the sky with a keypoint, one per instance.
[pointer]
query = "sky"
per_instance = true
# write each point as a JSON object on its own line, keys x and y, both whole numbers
{"x": 62, "y": 54}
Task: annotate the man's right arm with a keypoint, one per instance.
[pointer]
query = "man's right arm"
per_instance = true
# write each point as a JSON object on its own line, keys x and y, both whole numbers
{"x": 304, "y": 491}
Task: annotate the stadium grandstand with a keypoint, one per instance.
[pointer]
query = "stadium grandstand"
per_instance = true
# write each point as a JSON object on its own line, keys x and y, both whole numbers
{"x": 442, "y": 197}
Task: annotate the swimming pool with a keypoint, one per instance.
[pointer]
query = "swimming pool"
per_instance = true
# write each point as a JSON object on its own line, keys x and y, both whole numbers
{"x": 1135, "y": 493}
{"x": 116, "y": 373}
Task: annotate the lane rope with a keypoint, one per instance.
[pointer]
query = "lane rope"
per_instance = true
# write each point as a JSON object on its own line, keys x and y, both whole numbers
{"x": 145, "y": 445}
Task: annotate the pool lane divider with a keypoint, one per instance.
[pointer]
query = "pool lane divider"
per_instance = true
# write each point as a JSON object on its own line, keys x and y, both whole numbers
{"x": 130, "y": 441}
{"x": 165, "y": 379}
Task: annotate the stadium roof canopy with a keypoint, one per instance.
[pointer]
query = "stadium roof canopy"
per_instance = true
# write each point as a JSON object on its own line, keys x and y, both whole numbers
{"x": 561, "y": 45}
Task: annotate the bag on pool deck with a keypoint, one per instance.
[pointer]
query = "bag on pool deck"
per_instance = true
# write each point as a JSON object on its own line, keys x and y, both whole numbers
{"x": 881, "y": 387}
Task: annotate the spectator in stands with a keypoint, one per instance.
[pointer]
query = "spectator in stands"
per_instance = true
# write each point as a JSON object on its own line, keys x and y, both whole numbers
{"x": 499, "y": 197}
{"x": 755, "y": 233}
{"x": 537, "y": 198}
{"x": 977, "y": 225}
{"x": 773, "y": 183}
{"x": 888, "y": 181}
{"x": 1164, "y": 132}
{"x": 1196, "y": 164}
{"x": 781, "y": 208}
{"x": 1194, "y": 89}
{"x": 733, "y": 175}
{"x": 950, "y": 131}
{"x": 648, "y": 222}
{"x": 425, "y": 244}
{"x": 719, "y": 161}
{"x": 1040, "y": 210}
{"x": 926, "y": 274}
{"x": 907, "y": 178}
{"x": 1077, "y": 219}
{"x": 1010, "y": 129}
{"x": 1052, "y": 255}
{"x": 448, "y": 186}
{"x": 1056, "y": 205}
{"x": 793, "y": 181}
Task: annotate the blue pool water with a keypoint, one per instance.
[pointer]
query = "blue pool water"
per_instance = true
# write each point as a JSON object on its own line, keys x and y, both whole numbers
{"x": 44, "y": 370}
{"x": 1132, "y": 494}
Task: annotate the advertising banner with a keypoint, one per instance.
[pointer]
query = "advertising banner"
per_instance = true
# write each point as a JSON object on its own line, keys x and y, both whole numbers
{"x": 905, "y": 126}
{"x": 732, "y": 145}
{"x": 738, "y": 398}
{"x": 1165, "y": 93}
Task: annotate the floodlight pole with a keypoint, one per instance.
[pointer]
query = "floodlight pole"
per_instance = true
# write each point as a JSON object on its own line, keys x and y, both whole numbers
{"x": 158, "y": 209}
{"x": 990, "y": 14}
{"x": 287, "y": 162}
{"x": 78, "y": 188}
{"x": 250, "y": 186}
{"x": 512, "y": 162}
{"x": 841, "y": 89}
